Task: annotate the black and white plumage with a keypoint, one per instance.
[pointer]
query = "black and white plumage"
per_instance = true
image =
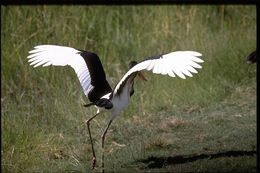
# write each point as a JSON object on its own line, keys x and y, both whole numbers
{"x": 92, "y": 77}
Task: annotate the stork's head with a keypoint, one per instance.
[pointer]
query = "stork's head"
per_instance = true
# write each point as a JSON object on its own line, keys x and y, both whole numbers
{"x": 140, "y": 73}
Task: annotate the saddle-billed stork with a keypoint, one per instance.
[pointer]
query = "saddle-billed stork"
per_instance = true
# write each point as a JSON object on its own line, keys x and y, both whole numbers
{"x": 92, "y": 77}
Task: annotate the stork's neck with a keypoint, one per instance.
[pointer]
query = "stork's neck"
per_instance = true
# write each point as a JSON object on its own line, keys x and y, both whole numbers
{"x": 131, "y": 89}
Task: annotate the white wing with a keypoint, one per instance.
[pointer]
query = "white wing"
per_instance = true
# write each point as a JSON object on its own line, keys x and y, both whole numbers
{"x": 46, "y": 55}
{"x": 180, "y": 63}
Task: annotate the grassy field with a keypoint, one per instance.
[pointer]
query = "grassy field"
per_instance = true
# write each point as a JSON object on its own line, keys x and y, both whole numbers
{"x": 202, "y": 124}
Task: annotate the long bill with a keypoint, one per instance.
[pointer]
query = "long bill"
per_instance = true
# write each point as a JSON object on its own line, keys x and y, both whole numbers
{"x": 141, "y": 76}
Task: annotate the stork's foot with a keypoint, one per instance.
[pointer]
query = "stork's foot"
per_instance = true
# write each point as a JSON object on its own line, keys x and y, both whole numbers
{"x": 93, "y": 162}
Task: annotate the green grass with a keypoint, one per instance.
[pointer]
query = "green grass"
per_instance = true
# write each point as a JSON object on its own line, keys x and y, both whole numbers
{"x": 169, "y": 120}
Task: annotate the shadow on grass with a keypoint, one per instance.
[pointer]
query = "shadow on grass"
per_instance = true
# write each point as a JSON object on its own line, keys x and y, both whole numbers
{"x": 159, "y": 162}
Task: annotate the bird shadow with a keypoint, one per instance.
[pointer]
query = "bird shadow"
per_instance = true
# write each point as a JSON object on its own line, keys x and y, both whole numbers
{"x": 153, "y": 162}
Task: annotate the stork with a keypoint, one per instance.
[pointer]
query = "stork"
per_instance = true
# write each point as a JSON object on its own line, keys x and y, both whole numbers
{"x": 92, "y": 78}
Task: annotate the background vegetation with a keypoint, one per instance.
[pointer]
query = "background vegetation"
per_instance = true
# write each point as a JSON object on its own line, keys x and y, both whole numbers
{"x": 202, "y": 124}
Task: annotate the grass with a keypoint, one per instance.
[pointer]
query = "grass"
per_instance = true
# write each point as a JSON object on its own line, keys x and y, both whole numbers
{"x": 202, "y": 124}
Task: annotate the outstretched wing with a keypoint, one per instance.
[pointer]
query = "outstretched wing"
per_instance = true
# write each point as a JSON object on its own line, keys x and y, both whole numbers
{"x": 86, "y": 64}
{"x": 180, "y": 63}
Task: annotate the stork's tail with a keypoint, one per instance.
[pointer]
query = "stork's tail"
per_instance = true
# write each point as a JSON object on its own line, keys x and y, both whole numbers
{"x": 103, "y": 102}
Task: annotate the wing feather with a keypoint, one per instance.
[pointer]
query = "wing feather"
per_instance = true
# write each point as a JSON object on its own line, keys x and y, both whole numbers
{"x": 180, "y": 63}
{"x": 46, "y": 55}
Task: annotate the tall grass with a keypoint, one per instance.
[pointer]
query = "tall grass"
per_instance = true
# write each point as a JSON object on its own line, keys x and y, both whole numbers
{"x": 42, "y": 113}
